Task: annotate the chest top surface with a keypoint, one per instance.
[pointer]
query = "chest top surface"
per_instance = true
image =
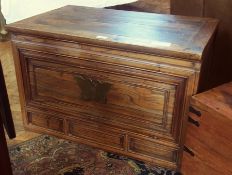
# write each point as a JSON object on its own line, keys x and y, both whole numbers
{"x": 177, "y": 36}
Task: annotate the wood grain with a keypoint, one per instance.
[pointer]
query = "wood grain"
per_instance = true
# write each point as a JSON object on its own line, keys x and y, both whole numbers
{"x": 11, "y": 83}
{"x": 211, "y": 142}
{"x": 150, "y": 86}
{"x": 6, "y": 58}
{"x": 151, "y": 32}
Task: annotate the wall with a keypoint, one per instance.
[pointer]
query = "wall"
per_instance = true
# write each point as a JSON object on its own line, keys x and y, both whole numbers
{"x": 15, "y": 10}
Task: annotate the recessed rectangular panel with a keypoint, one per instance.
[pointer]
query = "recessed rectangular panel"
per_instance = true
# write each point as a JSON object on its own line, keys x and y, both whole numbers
{"x": 152, "y": 149}
{"x": 96, "y": 133}
{"x": 46, "y": 122}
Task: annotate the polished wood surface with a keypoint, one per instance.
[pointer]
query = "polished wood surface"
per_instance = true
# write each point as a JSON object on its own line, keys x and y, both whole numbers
{"x": 126, "y": 98}
{"x": 218, "y": 99}
{"x": 7, "y": 62}
{"x": 209, "y": 134}
{"x": 112, "y": 92}
{"x": 220, "y": 70}
{"x": 100, "y": 26}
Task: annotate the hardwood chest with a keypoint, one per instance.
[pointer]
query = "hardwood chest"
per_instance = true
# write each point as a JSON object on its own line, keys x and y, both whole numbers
{"x": 208, "y": 145}
{"x": 116, "y": 80}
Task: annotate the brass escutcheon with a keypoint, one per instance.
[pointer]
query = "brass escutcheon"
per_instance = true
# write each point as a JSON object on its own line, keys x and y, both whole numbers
{"x": 92, "y": 90}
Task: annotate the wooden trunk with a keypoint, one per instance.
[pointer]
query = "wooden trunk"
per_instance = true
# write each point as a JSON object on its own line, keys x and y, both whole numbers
{"x": 116, "y": 80}
{"x": 209, "y": 139}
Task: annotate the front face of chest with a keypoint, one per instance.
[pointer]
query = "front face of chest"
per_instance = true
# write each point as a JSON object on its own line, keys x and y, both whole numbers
{"x": 113, "y": 99}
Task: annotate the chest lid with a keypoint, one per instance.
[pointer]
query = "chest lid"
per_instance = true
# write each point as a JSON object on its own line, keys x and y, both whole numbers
{"x": 168, "y": 35}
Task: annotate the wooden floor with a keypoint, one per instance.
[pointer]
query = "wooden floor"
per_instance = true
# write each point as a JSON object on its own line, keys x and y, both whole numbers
{"x": 11, "y": 84}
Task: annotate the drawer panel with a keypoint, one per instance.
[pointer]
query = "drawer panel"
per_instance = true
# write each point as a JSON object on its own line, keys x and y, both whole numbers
{"x": 97, "y": 133}
{"x": 44, "y": 121}
{"x": 153, "y": 149}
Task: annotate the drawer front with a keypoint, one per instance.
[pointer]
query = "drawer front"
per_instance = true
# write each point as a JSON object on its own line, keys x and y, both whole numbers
{"x": 96, "y": 133}
{"x": 150, "y": 148}
{"x": 125, "y": 97}
{"x": 45, "y": 122}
